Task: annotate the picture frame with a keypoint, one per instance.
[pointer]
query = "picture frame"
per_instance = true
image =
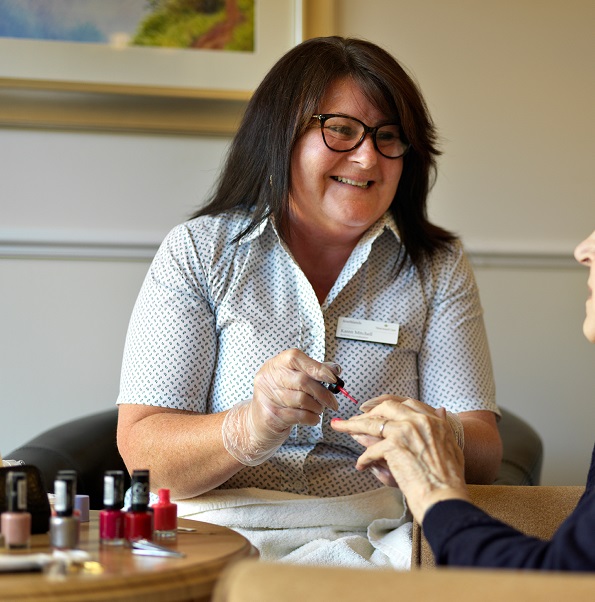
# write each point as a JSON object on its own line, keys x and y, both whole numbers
{"x": 61, "y": 85}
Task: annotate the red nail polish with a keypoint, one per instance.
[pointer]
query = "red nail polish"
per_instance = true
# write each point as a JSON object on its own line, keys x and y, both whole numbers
{"x": 336, "y": 419}
{"x": 165, "y": 517}
{"x": 138, "y": 521}
{"x": 111, "y": 518}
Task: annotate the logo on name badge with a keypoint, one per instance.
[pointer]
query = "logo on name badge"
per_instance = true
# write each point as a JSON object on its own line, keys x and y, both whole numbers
{"x": 368, "y": 330}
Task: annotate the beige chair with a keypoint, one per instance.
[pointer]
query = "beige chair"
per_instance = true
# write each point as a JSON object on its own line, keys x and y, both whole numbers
{"x": 536, "y": 511}
{"x": 254, "y": 581}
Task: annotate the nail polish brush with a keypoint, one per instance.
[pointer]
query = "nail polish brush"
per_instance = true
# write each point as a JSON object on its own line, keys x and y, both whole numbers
{"x": 338, "y": 387}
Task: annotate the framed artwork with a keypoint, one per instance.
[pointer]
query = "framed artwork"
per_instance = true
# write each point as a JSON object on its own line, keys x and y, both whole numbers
{"x": 107, "y": 83}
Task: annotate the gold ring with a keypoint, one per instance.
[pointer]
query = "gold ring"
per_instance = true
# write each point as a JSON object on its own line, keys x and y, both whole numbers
{"x": 382, "y": 428}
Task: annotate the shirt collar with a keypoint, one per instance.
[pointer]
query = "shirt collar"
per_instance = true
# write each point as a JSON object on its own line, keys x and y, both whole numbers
{"x": 258, "y": 231}
{"x": 386, "y": 222}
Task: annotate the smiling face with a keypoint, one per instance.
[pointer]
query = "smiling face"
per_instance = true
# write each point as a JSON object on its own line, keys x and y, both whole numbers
{"x": 340, "y": 195}
{"x": 585, "y": 254}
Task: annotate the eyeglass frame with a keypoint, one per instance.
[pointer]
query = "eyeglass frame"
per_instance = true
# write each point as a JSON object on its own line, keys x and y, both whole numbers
{"x": 322, "y": 117}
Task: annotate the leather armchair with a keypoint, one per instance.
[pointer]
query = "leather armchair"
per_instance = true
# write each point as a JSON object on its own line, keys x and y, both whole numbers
{"x": 88, "y": 445}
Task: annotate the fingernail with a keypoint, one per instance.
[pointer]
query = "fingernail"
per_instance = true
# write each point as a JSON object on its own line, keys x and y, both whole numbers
{"x": 336, "y": 419}
{"x": 375, "y": 471}
{"x": 336, "y": 368}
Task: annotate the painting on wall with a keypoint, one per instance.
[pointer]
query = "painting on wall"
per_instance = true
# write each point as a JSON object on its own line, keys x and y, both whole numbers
{"x": 194, "y": 48}
{"x": 189, "y": 24}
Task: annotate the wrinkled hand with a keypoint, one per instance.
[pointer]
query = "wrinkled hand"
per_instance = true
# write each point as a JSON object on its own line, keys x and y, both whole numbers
{"x": 410, "y": 444}
{"x": 287, "y": 391}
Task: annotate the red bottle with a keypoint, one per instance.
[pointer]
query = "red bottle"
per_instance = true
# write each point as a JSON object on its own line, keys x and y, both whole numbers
{"x": 165, "y": 517}
{"x": 138, "y": 521}
{"x": 111, "y": 518}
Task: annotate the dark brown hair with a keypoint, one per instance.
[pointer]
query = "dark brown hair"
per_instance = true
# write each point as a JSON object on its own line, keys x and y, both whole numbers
{"x": 257, "y": 170}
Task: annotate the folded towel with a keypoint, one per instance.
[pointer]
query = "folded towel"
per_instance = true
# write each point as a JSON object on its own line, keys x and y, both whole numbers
{"x": 371, "y": 529}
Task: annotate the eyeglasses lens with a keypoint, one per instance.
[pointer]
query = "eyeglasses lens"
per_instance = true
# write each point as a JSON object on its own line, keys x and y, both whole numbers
{"x": 344, "y": 134}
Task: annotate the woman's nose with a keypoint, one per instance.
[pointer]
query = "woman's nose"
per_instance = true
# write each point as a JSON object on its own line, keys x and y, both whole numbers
{"x": 366, "y": 152}
{"x": 585, "y": 251}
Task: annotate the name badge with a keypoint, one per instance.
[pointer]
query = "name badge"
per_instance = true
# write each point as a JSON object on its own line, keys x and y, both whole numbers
{"x": 367, "y": 330}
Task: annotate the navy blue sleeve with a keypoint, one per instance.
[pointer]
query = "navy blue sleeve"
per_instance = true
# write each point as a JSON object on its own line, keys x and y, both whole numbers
{"x": 460, "y": 534}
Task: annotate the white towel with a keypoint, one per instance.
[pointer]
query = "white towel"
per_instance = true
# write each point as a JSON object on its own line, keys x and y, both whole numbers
{"x": 371, "y": 529}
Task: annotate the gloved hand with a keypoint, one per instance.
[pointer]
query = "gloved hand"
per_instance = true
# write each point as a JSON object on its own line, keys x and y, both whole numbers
{"x": 287, "y": 391}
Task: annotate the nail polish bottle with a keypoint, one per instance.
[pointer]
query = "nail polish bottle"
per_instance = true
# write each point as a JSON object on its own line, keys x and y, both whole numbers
{"x": 138, "y": 521}
{"x": 165, "y": 517}
{"x": 64, "y": 525}
{"x": 81, "y": 507}
{"x": 16, "y": 522}
{"x": 72, "y": 475}
{"x": 111, "y": 518}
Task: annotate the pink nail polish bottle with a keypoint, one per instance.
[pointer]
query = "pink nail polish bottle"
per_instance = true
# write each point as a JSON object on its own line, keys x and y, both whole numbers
{"x": 138, "y": 521}
{"x": 165, "y": 517}
{"x": 111, "y": 518}
{"x": 16, "y": 522}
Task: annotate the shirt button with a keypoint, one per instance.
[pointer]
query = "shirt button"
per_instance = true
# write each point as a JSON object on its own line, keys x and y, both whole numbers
{"x": 312, "y": 439}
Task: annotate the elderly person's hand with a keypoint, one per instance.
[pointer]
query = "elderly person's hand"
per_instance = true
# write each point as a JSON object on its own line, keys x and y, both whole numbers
{"x": 287, "y": 391}
{"x": 416, "y": 444}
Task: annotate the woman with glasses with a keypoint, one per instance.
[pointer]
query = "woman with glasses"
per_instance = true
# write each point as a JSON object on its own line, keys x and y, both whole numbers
{"x": 314, "y": 257}
{"x": 411, "y": 444}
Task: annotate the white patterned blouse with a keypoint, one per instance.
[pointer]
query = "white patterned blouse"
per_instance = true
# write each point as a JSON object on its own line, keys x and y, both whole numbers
{"x": 211, "y": 312}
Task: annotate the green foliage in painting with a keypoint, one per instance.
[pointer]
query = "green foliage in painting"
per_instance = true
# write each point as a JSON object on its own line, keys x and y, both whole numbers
{"x": 189, "y": 23}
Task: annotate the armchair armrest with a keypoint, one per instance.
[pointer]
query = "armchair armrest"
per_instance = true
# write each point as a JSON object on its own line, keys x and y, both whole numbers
{"x": 257, "y": 581}
{"x": 536, "y": 511}
{"x": 522, "y": 448}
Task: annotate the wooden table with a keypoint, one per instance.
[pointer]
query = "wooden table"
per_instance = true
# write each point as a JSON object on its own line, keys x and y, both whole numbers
{"x": 125, "y": 577}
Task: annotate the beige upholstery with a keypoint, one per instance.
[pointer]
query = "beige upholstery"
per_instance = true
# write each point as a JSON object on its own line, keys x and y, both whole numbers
{"x": 254, "y": 581}
{"x": 537, "y": 511}
{"x": 534, "y": 510}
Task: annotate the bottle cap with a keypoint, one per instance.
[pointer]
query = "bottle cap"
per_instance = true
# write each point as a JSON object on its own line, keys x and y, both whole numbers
{"x": 65, "y": 492}
{"x": 164, "y": 497}
{"x": 139, "y": 490}
{"x": 113, "y": 489}
{"x": 16, "y": 491}
{"x": 334, "y": 387}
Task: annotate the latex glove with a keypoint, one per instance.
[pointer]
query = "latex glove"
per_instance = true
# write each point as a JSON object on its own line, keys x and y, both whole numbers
{"x": 287, "y": 391}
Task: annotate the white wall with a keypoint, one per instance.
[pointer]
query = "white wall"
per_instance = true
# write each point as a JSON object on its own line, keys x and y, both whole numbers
{"x": 511, "y": 87}
{"x": 63, "y": 320}
{"x": 544, "y": 367}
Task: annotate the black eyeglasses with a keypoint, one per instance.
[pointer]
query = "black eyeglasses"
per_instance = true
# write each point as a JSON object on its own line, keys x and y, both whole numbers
{"x": 342, "y": 134}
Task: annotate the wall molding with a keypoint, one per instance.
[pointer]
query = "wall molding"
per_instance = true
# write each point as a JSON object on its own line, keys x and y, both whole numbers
{"x": 512, "y": 258}
{"x": 144, "y": 250}
{"x": 78, "y": 248}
